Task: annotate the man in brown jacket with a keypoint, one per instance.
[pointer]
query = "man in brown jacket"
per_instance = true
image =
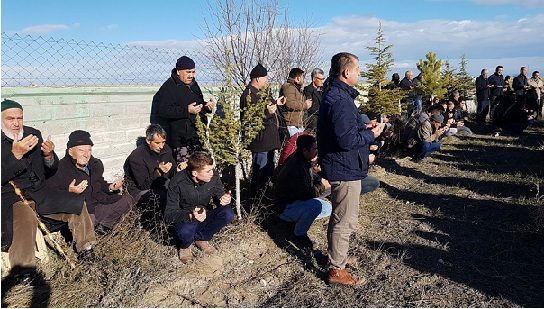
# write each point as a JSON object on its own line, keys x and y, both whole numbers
{"x": 295, "y": 103}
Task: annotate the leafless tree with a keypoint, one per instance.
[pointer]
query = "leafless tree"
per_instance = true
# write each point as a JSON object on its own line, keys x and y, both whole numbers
{"x": 242, "y": 33}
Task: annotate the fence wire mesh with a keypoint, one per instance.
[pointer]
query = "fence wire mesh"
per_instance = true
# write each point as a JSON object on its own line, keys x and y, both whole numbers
{"x": 39, "y": 61}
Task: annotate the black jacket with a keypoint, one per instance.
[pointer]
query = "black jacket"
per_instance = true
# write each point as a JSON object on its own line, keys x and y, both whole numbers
{"x": 482, "y": 91}
{"x": 296, "y": 181}
{"x": 141, "y": 169}
{"x": 184, "y": 195}
{"x": 97, "y": 191}
{"x": 268, "y": 138}
{"x": 30, "y": 174}
{"x": 172, "y": 101}
{"x": 313, "y": 112}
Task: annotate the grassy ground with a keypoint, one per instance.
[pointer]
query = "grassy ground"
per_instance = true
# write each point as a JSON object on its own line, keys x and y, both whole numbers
{"x": 463, "y": 228}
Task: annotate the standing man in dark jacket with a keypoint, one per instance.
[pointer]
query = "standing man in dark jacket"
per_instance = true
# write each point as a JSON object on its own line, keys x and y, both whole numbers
{"x": 314, "y": 91}
{"x": 521, "y": 85}
{"x": 343, "y": 143}
{"x": 188, "y": 205}
{"x": 149, "y": 166}
{"x": 178, "y": 102}
{"x": 498, "y": 87}
{"x": 266, "y": 142}
{"x": 482, "y": 96}
{"x": 82, "y": 174}
{"x": 27, "y": 161}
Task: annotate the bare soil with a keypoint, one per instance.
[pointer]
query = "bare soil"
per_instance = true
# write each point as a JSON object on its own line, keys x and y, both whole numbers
{"x": 463, "y": 228}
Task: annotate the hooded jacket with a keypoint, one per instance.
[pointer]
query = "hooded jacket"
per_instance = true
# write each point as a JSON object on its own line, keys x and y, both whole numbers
{"x": 294, "y": 103}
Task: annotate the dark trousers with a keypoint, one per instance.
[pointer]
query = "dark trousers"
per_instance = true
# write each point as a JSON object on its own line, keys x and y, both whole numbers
{"x": 216, "y": 219}
{"x": 262, "y": 170}
{"x": 108, "y": 215}
{"x": 483, "y": 110}
{"x": 424, "y": 149}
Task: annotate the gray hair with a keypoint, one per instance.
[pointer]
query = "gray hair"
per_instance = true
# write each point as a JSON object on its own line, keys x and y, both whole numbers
{"x": 316, "y": 71}
{"x": 153, "y": 129}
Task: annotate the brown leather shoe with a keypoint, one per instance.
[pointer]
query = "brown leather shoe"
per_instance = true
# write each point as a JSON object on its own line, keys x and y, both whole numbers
{"x": 205, "y": 246}
{"x": 341, "y": 276}
{"x": 185, "y": 255}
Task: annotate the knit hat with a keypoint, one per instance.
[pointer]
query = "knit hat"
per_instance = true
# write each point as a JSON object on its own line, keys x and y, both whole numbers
{"x": 78, "y": 138}
{"x": 438, "y": 118}
{"x": 185, "y": 63}
{"x": 7, "y": 104}
{"x": 372, "y": 115}
{"x": 365, "y": 119}
{"x": 258, "y": 71}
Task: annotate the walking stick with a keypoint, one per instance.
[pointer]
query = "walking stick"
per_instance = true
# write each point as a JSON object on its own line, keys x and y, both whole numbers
{"x": 50, "y": 240}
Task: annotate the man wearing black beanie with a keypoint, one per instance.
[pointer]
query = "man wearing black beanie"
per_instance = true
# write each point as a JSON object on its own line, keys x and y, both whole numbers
{"x": 175, "y": 107}
{"x": 267, "y": 140}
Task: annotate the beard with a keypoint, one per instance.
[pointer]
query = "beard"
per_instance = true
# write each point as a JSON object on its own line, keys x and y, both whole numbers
{"x": 10, "y": 134}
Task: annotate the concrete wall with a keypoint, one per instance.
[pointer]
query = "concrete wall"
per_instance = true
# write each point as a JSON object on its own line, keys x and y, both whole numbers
{"x": 115, "y": 117}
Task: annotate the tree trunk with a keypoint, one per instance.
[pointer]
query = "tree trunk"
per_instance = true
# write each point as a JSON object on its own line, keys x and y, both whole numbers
{"x": 237, "y": 177}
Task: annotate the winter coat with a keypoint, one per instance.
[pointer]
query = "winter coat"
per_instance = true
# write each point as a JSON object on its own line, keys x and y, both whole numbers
{"x": 142, "y": 166}
{"x": 296, "y": 181}
{"x": 268, "y": 138}
{"x": 184, "y": 195}
{"x": 294, "y": 103}
{"x": 498, "y": 84}
{"x": 97, "y": 191}
{"x": 482, "y": 91}
{"x": 312, "y": 113}
{"x": 30, "y": 174}
{"x": 172, "y": 101}
{"x": 342, "y": 138}
{"x": 519, "y": 84}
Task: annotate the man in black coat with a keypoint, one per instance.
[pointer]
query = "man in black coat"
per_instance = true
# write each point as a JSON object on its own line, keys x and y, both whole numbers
{"x": 176, "y": 105}
{"x": 267, "y": 140}
{"x": 81, "y": 174}
{"x": 149, "y": 166}
{"x": 482, "y": 96}
{"x": 27, "y": 161}
{"x": 314, "y": 91}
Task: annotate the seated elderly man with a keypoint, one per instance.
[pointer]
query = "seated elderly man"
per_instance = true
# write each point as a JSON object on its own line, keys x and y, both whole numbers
{"x": 82, "y": 174}
{"x": 298, "y": 189}
{"x": 149, "y": 167}
{"x": 27, "y": 161}
{"x": 425, "y": 139}
{"x": 188, "y": 206}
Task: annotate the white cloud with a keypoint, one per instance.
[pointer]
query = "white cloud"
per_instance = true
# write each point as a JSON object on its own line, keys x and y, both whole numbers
{"x": 42, "y": 29}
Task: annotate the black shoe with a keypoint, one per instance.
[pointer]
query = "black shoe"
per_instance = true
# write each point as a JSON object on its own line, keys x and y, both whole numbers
{"x": 101, "y": 230}
{"x": 25, "y": 276}
{"x": 87, "y": 255}
{"x": 303, "y": 242}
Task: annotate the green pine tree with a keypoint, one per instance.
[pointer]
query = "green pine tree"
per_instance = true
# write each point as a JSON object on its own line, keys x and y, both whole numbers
{"x": 430, "y": 85}
{"x": 465, "y": 82}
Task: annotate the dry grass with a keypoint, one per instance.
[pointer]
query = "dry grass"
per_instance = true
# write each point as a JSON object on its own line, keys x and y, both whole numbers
{"x": 461, "y": 229}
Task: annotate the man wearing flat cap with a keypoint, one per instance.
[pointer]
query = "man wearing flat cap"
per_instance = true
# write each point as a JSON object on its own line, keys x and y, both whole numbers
{"x": 267, "y": 140}
{"x": 81, "y": 174}
{"x": 175, "y": 107}
{"x": 27, "y": 161}
{"x": 425, "y": 138}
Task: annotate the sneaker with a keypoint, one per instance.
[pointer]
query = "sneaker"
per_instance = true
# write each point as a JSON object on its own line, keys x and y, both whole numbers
{"x": 101, "y": 230}
{"x": 185, "y": 255}
{"x": 303, "y": 242}
{"x": 342, "y": 277}
{"x": 87, "y": 255}
{"x": 205, "y": 246}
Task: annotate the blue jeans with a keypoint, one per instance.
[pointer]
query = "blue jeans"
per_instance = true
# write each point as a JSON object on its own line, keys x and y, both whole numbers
{"x": 418, "y": 103}
{"x": 216, "y": 219}
{"x": 263, "y": 169}
{"x": 304, "y": 213}
{"x": 369, "y": 184}
{"x": 424, "y": 149}
{"x": 294, "y": 130}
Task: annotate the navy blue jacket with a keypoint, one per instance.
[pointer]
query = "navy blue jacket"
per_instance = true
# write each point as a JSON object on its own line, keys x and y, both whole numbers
{"x": 498, "y": 82}
{"x": 342, "y": 139}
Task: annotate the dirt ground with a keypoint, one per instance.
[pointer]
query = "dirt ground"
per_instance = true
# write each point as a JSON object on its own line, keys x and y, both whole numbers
{"x": 463, "y": 228}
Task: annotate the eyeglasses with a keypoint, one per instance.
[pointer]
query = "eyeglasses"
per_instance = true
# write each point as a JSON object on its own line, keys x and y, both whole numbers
{"x": 320, "y": 78}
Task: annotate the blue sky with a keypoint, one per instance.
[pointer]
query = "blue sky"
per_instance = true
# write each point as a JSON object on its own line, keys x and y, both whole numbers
{"x": 487, "y": 32}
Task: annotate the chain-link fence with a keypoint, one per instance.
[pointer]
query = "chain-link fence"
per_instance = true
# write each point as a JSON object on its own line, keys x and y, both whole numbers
{"x": 38, "y": 61}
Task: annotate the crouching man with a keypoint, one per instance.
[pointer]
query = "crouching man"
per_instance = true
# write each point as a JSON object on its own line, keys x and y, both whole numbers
{"x": 27, "y": 161}
{"x": 297, "y": 190}
{"x": 82, "y": 174}
{"x": 188, "y": 207}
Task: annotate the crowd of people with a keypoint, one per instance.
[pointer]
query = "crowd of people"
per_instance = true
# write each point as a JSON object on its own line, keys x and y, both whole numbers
{"x": 326, "y": 148}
